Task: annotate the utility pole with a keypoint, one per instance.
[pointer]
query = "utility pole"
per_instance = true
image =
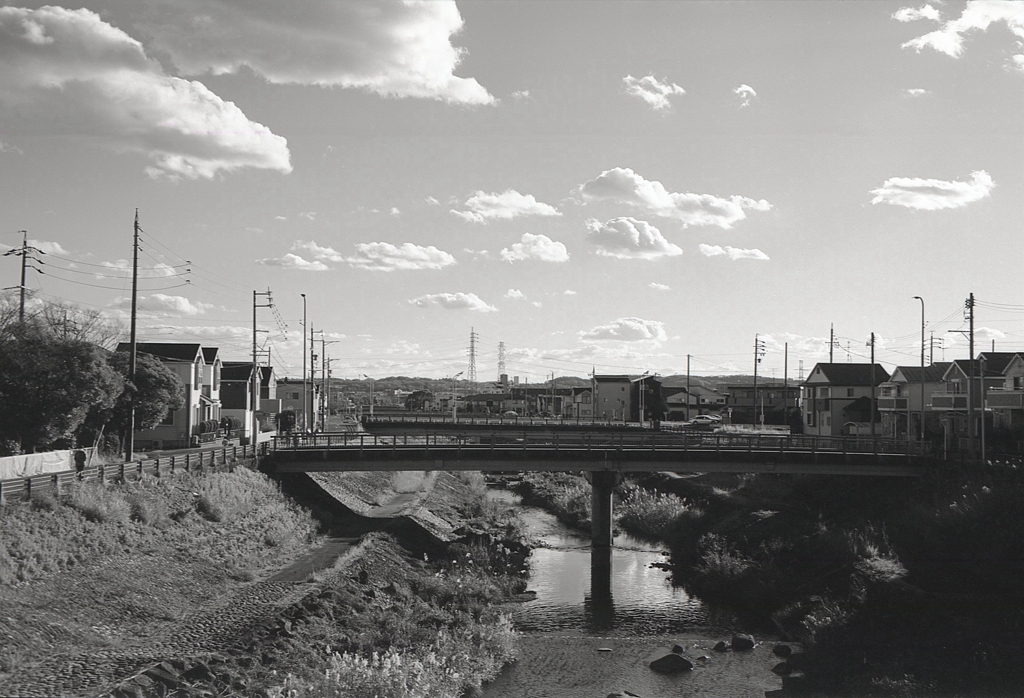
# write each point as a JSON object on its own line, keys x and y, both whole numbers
{"x": 25, "y": 252}
{"x": 831, "y": 340}
{"x": 501, "y": 360}
{"x": 758, "y": 355}
{"x": 687, "y": 387}
{"x": 129, "y": 439}
{"x": 304, "y": 398}
{"x": 312, "y": 379}
{"x": 984, "y": 399}
{"x": 969, "y": 305}
{"x": 254, "y": 422}
{"x": 785, "y": 382}
{"x": 872, "y": 384}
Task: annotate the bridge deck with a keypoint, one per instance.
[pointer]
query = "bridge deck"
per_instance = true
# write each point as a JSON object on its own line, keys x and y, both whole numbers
{"x": 642, "y": 452}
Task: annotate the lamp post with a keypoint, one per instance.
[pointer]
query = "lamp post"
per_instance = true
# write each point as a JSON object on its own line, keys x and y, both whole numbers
{"x": 643, "y": 418}
{"x": 371, "y": 392}
{"x": 305, "y": 399}
{"x": 455, "y": 413}
{"x": 922, "y": 368}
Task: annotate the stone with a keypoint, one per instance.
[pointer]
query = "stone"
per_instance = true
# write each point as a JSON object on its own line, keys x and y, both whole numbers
{"x": 782, "y": 651}
{"x": 742, "y": 641}
{"x": 782, "y": 669}
{"x": 200, "y": 672}
{"x": 722, "y": 646}
{"x": 677, "y": 649}
{"x": 604, "y": 649}
{"x": 671, "y": 663}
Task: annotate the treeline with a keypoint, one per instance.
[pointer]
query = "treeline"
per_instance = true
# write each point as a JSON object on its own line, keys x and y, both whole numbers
{"x": 63, "y": 386}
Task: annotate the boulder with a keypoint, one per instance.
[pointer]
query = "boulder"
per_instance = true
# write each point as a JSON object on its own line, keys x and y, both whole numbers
{"x": 722, "y": 646}
{"x": 671, "y": 663}
{"x": 782, "y": 669}
{"x": 782, "y": 651}
{"x": 742, "y": 641}
{"x": 677, "y": 649}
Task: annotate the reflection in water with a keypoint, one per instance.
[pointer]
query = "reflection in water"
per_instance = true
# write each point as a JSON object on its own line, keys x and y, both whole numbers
{"x": 598, "y": 605}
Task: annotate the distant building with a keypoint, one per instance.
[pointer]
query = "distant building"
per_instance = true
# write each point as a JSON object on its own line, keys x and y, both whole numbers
{"x": 837, "y": 399}
{"x": 770, "y": 403}
{"x": 618, "y": 398}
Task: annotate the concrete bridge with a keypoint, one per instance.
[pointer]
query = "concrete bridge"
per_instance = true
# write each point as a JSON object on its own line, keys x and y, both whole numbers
{"x": 603, "y": 455}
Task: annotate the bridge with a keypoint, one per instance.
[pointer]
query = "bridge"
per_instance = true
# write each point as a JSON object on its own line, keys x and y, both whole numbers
{"x": 603, "y": 454}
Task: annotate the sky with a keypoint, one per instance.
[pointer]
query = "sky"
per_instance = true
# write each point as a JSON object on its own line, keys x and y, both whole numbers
{"x": 607, "y": 186}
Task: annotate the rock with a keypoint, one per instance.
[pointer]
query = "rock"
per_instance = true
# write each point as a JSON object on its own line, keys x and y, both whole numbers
{"x": 782, "y": 651}
{"x": 742, "y": 641}
{"x": 364, "y": 577}
{"x": 671, "y": 663}
{"x": 782, "y": 669}
{"x": 677, "y": 649}
{"x": 199, "y": 672}
{"x": 604, "y": 649}
{"x": 722, "y": 646}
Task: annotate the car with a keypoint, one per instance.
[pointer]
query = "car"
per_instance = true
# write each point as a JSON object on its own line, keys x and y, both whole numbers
{"x": 510, "y": 413}
{"x": 706, "y": 419}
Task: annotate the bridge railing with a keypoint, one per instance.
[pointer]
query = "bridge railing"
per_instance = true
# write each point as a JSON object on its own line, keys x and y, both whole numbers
{"x": 508, "y": 440}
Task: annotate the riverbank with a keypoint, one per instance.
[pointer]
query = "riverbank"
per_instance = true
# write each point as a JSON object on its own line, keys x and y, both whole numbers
{"x": 174, "y": 578}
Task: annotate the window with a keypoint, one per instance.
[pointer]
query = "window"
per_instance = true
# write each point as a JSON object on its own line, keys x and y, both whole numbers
{"x": 849, "y": 392}
{"x": 168, "y": 419}
{"x": 810, "y": 419}
{"x": 586, "y": 399}
{"x": 828, "y": 420}
{"x": 823, "y": 392}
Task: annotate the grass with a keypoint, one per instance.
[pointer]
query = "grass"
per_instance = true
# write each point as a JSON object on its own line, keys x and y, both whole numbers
{"x": 565, "y": 495}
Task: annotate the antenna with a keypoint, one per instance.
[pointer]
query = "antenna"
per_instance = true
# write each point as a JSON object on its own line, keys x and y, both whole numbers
{"x": 501, "y": 359}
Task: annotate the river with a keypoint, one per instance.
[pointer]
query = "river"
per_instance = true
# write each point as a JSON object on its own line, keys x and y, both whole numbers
{"x": 597, "y": 622}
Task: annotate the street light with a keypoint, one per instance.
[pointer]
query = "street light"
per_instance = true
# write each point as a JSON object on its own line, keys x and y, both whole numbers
{"x": 643, "y": 417}
{"x": 455, "y": 413}
{"x": 305, "y": 398}
{"x": 922, "y": 368}
{"x": 371, "y": 392}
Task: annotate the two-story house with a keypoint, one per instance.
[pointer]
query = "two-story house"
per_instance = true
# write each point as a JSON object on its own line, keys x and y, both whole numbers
{"x": 237, "y": 396}
{"x": 968, "y": 386}
{"x": 770, "y": 402}
{"x": 290, "y": 393}
{"x": 619, "y": 398}
{"x": 838, "y": 399}
{"x": 905, "y": 401}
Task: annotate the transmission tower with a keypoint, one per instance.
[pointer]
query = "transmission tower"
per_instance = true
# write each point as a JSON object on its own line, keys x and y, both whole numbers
{"x": 501, "y": 359}
{"x": 471, "y": 373}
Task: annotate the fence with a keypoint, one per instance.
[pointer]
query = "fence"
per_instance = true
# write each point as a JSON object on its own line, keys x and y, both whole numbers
{"x": 214, "y": 459}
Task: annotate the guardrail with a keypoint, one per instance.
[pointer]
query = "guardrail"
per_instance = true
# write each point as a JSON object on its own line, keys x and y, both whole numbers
{"x": 596, "y": 440}
{"x": 216, "y": 459}
{"x": 494, "y": 419}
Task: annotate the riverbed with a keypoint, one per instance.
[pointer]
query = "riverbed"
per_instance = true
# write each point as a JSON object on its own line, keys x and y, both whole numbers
{"x": 597, "y": 622}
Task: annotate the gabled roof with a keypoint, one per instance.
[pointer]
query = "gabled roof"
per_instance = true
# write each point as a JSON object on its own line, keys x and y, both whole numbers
{"x": 927, "y": 374}
{"x": 166, "y": 350}
{"x": 266, "y": 374}
{"x": 612, "y": 378}
{"x": 964, "y": 366}
{"x": 236, "y": 371}
{"x": 996, "y": 360}
{"x": 484, "y": 397}
{"x": 850, "y": 374}
{"x": 210, "y": 354}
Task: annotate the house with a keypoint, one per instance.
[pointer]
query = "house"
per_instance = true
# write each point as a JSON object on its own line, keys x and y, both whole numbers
{"x": 1006, "y": 402}
{"x": 619, "y": 397}
{"x": 486, "y": 403}
{"x": 905, "y": 399}
{"x": 770, "y": 402}
{"x": 290, "y": 394}
{"x": 967, "y": 383}
{"x": 238, "y": 400}
{"x": 198, "y": 419}
{"x": 837, "y": 399}
{"x": 582, "y": 403}
{"x": 682, "y": 403}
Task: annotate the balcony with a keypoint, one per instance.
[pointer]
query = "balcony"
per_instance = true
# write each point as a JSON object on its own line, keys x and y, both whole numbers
{"x": 949, "y": 401}
{"x": 891, "y": 404}
{"x": 1005, "y": 399}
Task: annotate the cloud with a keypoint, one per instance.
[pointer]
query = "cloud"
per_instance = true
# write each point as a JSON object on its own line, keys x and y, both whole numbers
{"x": 539, "y": 247}
{"x": 432, "y": 201}
{"x": 933, "y": 194}
{"x": 50, "y": 247}
{"x": 173, "y": 305}
{"x": 915, "y": 92}
{"x": 292, "y": 261}
{"x": 977, "y": 15}
{"x": 514, "y": 293}
{"x": 627, "y": 329}
{"x": 328, "y": 254}
{"x": 629, "y": 238}
{"x": 733, "y": 253}
{"x": 395, "y": 211}
{"x": 157, "y": 270}
{"x": 521, "y": 94}
{"x": 652, "y": 91}
{"x": 383, "y": 256}
{"x": 623, "y": 185}
{"x": 308, "y": 215}
{"x": 68, "y": 69}
{"x": 479, "y": 254}
{"x": 388, "y": 47}
{"x": 909, "y": 14}
{"x": 659, "y": 287}
{"x": 8, "y": 148}
{"x": 217, "y": 333}
{"x": 454, "y": 301}
{"x": 280, "y": 218}
{"x": 746, "y": 93}
{"x": 568, "y": 292}
{"x": 507, "y": 205}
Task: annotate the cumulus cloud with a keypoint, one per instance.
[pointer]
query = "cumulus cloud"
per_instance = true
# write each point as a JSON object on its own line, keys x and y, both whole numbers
{"x": 627, "y": 329}
{"x": 454, "y": 301}
{"x": 652, "y": 91}
{"x": 568, "y": 292}
{"x": 388, "y": 47}
{"x": 505, "y": 206}
{"x": 539, "y": 247}
{"x": 157, "y": 270}
{"x": 293, "y": 261}
{"x": 514, "y": 293}
{"x": 933, "y": 194}
{"x": 383, "y": 256}
{"x": 629, "y": 238}
{"x": 977, "y": 15}
{"x": 659, "y": 287}
{"x": 69, "y": 69}
{"x": 216, "y": 332}
{"x": 733, "y": 253}
{"x": 745, "y": 93}
{"x": 623, "y": 185}
{"x": 49, "y": 247}
{"x": 915, "y": 91}
{"x": 173, "y": 305}
{"x": 521, "y": 94}
{"x": 909, "y": 14}
{"x": 8, "y": 148}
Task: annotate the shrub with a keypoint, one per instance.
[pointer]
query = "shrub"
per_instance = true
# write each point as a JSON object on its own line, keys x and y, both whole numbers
{"x": 225, "y": 496}
{"x": 649, "y": 514}
{"x": 97, "y": 503}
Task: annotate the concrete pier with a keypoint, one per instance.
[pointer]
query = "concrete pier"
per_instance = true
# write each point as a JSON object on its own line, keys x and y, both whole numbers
{"x": 603, "y": 484}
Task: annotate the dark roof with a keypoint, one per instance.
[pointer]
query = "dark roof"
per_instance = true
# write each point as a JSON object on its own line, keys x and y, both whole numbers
{"x": 861, "y": 405}
{"x": 266, "y": 373}
{"x": 165, "y": 350}
{"x": 210, "y": 354}
{"x": 612, "y": 378}
{"x": 965, "y": 366}
{"x": 236, "y": 371}
{"x": 487, "y": 396}
{"x": 928, "y": 374}
{"x": 852, "y": 374}
{"x": 996, "y": 360}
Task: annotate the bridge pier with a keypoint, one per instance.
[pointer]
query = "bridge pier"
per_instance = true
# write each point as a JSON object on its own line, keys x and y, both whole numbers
{"x": 602, "y": 484}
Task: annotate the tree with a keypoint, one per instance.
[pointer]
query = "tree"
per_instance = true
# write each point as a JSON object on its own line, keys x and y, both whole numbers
{"x": 418, "y": 399}
{"x": 48, "y": 386}
{"x": 156, "y": 391}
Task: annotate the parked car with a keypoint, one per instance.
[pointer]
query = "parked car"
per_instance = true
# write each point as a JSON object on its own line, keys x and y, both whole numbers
{"x": 706, "y": 419}
{"x": 510, "y": 413}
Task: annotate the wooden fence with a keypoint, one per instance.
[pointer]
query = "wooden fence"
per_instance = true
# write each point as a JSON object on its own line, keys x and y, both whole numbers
{"x": 206, "y": 460}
